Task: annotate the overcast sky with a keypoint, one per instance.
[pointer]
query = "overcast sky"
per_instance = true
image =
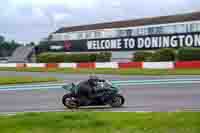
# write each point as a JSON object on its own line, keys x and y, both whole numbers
{"x": 31, "y": 20}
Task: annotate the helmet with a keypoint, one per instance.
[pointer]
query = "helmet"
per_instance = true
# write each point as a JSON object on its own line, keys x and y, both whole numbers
{"x": 93, "y": 80}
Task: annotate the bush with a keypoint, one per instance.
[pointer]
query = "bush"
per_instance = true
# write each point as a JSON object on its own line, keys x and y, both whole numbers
{"x": 141, "y": 56}
{"x": 104, "y": 57}
{"x": 166, "y": 54}
{"x": 62, "y": 57}
{"x": 188, "y": 54}
{"x": 159, "y": 55}
{"x": 45, "y": 57}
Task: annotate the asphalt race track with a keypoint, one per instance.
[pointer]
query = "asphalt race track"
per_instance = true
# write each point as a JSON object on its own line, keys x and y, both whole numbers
{"x": 160, "y": 97}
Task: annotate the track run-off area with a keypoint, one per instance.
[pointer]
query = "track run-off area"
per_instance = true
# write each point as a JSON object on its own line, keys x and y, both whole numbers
{"x": 142, "y": 93}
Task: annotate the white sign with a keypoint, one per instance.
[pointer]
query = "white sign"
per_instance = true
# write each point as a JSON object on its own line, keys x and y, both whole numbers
{"x": 145, "y": 42}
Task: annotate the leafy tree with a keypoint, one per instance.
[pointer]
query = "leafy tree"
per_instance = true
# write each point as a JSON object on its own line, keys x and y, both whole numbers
{"x": 2, "y": 39}
{"x": 7, "y": 48}
{"x": 30, "y": 44}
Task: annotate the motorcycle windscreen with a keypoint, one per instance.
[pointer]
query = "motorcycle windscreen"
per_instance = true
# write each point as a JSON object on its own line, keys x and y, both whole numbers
{"x": 71, "y": 88}
{"x": 68, "y": 87}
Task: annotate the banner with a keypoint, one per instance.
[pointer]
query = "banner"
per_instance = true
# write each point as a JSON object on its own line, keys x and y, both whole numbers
{"x": 128, "y": 43}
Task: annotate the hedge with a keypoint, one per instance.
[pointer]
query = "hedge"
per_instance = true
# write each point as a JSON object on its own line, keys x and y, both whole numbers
{"x": 62, "y": 57}
{"x": 188, "y": 54}
{"x": 166, "y": 54}
{"x": 103, "y": 57}
{"x": 141, "y": 56}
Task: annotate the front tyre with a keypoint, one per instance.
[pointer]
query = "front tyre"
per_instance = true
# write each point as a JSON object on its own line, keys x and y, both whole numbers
{"x": 70, "y": 102}
{"x": 117, "y": 101}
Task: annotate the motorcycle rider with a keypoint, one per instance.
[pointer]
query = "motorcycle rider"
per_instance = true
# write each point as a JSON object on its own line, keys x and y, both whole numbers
{"x": 87, "y": 88}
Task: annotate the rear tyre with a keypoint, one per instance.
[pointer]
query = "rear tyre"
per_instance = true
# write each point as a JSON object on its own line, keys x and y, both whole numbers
{"x": 70, "y": 102}
{"x": 117, "y": 101}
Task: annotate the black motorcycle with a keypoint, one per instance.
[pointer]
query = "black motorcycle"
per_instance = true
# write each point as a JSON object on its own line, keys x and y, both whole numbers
{"x": 106, "y": 94}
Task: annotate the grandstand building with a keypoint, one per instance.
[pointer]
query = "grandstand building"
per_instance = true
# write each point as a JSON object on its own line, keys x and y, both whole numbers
{"x": 122, "y": 38}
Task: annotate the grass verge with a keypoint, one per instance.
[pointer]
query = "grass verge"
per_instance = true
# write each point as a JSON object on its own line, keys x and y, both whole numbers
{"x": 96, "y": 122}
{"x": 23, "y": 80}
{"x": 111, "y": 71}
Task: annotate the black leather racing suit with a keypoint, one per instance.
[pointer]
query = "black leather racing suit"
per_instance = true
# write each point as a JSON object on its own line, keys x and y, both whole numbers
{"x": 86, "y": 89}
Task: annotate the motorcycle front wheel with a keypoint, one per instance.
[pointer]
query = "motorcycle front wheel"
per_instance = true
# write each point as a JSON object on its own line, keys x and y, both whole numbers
{"x": 117, "y": 101}
{"x": 70, "y": 102}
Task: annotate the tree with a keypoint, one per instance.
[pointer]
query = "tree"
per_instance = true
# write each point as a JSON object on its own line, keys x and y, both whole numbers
{"x": 2, "y": 39}
{"x": 7, "y": 47}
{"x": 32, "y": 44}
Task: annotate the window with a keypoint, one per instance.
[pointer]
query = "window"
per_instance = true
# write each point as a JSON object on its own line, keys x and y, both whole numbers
{"x": 66, "y": 37}
{"x": 181, "y": 28}
{"x": 155, "y": 30}
{"x": 145, "y": 31}
{"x": 159, "y": 30}
{"x": 150, "y": 30}
{"x": 189, "y": 27}
{"x": 168, "y": 29}
{"x": 57, "y": 37}
{"x": 72, "y": 36}
{"x": 140, "y": 31}
{"x": 107, "y": 33}
{"x": 121, "y": 33}
{"x": 129, "y": 32}
{"x": 79, "y": 35}
{"x": 113, "y": 33}
{"x": 134, "y": 32}
{"x": 195, "y": 27}
{"x": 97, "y": 34}
{"x": 88, "y": 35}
{"x": 198, "y": 27}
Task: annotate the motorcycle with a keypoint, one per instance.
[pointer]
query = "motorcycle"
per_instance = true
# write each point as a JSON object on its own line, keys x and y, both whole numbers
{"x": 106, "y": 94}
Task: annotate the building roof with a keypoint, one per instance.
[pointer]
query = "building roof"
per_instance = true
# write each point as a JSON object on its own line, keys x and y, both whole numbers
{"x": 133, "y": 23}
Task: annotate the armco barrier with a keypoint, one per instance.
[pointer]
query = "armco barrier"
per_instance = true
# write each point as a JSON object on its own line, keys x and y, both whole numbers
{"x": 114, "y": 65}
{"x": 8, "y": 65}
{"x": 158, "y": 65}
{"x": 20, "y": 65}
{"x": 67, "y": 65}
{"x": 187, "y": 64}
{"x": 130, "y": 65}
{"x": 107, "y": 65}
{"x": 52, "y": 65}
{"x": 35, "y": 65}
{"x": 86, "y": 65}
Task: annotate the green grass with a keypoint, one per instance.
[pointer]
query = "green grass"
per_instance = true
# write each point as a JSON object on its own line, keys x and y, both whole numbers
{"x": 111, "y": 71}
{"x": 23, "y": 80}
{"x": 94, "y": 122}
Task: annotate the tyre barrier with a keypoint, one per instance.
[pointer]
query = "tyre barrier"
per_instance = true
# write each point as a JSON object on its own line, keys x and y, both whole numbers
{"x": 113, "y": 65}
